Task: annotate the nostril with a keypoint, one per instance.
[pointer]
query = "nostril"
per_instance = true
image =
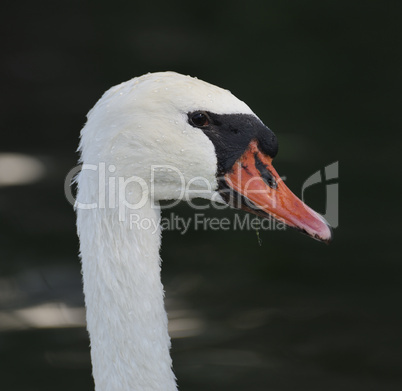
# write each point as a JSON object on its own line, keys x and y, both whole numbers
{"x": 266, "y": 175}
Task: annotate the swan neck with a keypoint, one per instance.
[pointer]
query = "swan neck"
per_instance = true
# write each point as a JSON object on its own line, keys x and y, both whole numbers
{"x": 126, "y": 318}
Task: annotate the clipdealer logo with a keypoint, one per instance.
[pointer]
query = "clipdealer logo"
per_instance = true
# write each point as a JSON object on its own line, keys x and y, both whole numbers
{"x": 112, "y": 193}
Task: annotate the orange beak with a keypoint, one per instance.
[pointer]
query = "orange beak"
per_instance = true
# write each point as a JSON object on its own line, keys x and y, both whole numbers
{"x": 264, "y": 193}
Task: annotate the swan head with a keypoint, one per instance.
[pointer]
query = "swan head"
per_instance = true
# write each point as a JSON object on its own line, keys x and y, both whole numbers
{"x": 180, "y": 137}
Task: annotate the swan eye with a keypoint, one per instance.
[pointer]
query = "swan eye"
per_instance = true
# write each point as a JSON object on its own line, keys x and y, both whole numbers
{"x": 200, "y": 120}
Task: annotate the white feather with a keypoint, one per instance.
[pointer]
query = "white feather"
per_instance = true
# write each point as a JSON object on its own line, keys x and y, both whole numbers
{"x": 134, "y": 126}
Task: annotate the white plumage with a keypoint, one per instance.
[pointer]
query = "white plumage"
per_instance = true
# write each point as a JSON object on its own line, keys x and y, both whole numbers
{"x": 134, "y": 126}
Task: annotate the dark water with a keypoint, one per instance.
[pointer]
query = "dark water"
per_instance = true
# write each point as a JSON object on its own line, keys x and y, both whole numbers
{"x": 291, "y": 314}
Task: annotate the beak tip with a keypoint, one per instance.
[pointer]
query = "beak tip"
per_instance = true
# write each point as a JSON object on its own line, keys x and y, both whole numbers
{"x": 330, "y": 235}
{"x": 323, "y": 231}
{"x": 315, "y": 226}
{"x": 325, "y": 235}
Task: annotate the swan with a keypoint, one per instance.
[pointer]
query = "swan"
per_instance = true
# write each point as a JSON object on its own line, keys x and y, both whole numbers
{"x": 145, "y": 141}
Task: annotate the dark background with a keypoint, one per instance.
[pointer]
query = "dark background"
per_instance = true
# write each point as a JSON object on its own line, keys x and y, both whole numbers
{"x": 292, "y": 314}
